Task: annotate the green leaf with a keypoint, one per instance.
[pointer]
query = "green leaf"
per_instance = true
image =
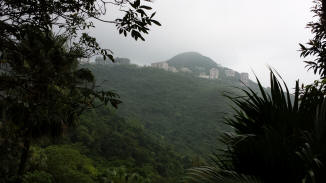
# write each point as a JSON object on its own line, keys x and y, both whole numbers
{"x": 153, "y": 14}
{"x": 135, "y": 4}
{"x": 145, "y": 7}
{"x": 156, "y": 22}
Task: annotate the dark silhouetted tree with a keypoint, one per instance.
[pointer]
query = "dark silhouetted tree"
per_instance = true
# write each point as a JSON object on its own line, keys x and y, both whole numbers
{"x": 42, "y": 89}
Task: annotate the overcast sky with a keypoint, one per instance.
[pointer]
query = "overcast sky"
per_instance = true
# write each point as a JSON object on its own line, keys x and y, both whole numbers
{"x": 244, "y": 35}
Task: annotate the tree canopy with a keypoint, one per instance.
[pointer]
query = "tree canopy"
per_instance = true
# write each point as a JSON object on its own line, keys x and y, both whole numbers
{"x": 42, "y": 89}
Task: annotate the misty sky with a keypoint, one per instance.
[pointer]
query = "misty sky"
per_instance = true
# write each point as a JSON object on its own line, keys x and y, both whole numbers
{"x": 243, "y": 35}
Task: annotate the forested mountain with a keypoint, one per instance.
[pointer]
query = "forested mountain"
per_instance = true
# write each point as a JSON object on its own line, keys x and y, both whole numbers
{"x": 183, "y": 109}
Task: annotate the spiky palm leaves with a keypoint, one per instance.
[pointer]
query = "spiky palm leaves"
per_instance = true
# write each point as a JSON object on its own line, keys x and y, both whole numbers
{"x": 270, "y": 139}
{"x": 213, "y": 174}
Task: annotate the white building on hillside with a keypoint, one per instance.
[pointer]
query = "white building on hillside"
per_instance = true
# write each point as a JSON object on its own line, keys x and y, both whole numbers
{"x": 161, "y": 65}
{"x": 213, "y": 73}
{"x": 244, "y": 77}
{"x": 229, "y": 73}
{"x": 203, "y": 75}
{"x": 101, "y": 61}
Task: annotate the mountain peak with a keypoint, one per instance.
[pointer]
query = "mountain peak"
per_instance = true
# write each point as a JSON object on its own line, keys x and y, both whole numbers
{"x": 194, "y": 61}
{"x": 190, "y": 53}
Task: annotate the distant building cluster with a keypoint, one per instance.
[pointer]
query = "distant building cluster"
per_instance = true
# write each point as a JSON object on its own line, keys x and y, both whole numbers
{"x": 164, "y": 66}
{"x": 244, "y": 77}
{"x": 161, "y": 65}
{"x": 213, "y": 73}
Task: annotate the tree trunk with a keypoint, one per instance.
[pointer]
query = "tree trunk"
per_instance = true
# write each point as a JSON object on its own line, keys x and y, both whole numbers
{"x": 23, "y": 160}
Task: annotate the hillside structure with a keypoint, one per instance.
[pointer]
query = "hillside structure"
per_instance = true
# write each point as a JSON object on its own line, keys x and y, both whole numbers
{"x": 101, "y": 61}
{"x": 244, "y": 77}
{"x": 213, "y": 73}
{"x": 203, "y": 75}
{"x": 229, "y": 73}
{"x": 161, "y": 65}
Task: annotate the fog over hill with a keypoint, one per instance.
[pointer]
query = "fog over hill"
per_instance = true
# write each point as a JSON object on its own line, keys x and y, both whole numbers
{"x": 243, "y": 35}
{"x": 192, "y": 59}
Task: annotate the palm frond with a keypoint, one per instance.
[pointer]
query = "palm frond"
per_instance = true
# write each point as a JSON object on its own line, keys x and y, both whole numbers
{"x": 212, "y": 174}
{"x": 267, "y": 127}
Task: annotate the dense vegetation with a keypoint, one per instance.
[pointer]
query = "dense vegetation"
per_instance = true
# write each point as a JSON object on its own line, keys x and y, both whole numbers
{"x": 185, "y": 110}
{"x": 102, "y": 145}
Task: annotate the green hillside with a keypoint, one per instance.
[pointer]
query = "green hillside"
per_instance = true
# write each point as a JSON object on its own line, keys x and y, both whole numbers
{"x": 105, "y": 147}
{"x": 185, "y": 110}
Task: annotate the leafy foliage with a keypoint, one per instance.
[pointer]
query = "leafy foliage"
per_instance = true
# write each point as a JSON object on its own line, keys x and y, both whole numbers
{"x": 106, "y": 148}
{"x": 73, "y": 19}
{"x": 37, "y": 177}
{"x": 316, "y": 47}
{"x": 41, "y": 43}
{"x": 119, "y": 175}
{"x": 48, "y": 95}
{"x": 68, "y": 165}
{"x": 43, "y": 85}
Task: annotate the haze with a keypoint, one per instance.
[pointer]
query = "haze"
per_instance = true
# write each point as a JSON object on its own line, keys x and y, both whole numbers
{"x": 245, "y": 35}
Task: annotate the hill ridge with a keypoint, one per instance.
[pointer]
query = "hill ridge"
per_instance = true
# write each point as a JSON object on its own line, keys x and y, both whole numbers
{"x": 200, "y": 66}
